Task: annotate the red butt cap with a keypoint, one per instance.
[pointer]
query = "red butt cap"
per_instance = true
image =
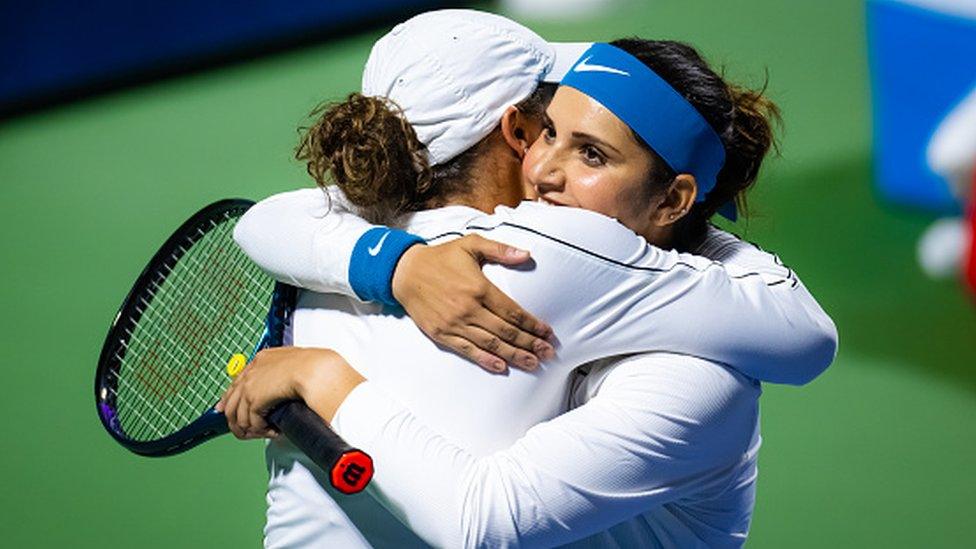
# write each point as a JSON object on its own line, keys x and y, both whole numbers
{"x": 352, "y": 472}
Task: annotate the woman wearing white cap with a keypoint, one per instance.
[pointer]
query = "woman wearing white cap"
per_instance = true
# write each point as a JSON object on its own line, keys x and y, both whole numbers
{"x": 668, "y": 437}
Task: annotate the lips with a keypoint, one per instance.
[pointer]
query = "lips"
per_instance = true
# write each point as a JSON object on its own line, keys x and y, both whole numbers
{"x": 551, "y": 202}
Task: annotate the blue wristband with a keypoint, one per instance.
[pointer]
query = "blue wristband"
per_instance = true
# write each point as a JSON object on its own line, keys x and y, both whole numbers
{"x": 374, "y": 258}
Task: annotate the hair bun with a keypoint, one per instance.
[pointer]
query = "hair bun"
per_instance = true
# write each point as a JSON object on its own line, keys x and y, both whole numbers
{"x": 367, "y": 148}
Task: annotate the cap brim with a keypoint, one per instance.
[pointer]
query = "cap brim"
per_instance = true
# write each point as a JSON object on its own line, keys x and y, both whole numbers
{"x": 565, "y": 55}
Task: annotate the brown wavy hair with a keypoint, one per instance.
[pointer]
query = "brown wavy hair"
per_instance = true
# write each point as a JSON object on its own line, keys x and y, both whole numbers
{"x": 366, "y": 147}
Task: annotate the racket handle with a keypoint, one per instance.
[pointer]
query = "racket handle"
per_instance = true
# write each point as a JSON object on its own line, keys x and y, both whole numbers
{"x": 350, "y": 470}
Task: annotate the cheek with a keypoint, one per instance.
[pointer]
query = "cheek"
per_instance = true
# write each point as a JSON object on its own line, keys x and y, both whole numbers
{"x": 597, "y": 191}
{"x": 529, "y": 164}
{"x": 528, "y": 189}
{"x": 639, "y": 207}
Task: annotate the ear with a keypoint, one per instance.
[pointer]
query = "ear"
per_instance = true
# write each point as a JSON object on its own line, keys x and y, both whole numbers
{"x": 676, "y": 201}
{"x": 516, "y": 130}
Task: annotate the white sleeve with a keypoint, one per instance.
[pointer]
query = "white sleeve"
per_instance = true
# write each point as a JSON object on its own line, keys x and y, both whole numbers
{"x": 660, "y": 428}
{"x": 606, "y": 292}
{"x": 304, "y": 238}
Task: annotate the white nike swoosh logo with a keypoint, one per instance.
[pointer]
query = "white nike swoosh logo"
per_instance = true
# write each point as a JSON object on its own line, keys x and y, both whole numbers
{"x": 373, "y": 250}
{"x": 583, "y": 66}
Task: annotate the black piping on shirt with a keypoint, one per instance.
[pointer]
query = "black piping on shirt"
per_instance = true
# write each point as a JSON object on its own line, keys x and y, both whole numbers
{"x": 790, "y": 275}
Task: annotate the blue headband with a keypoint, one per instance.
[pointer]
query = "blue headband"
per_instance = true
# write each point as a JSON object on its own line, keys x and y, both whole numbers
{"x": 655, "y": 111}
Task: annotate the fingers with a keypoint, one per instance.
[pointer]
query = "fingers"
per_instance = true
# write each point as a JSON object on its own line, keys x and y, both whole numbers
{"x": 479, "y": 322}
{"x": 526, "y": 325}
{"x": 488, "y": 350}
{"x": 222, "y": 403}
{"x": 472, "y": 352}
{"x": 495, "y": 327}
{"x": 229, "y": 409}
{"x": 496, "y": 336}
{"x": 243, "y": 417}
{"x": 244, "y": 420}
{"x": 489, "y": 251}
{"x": 257, "y": 425}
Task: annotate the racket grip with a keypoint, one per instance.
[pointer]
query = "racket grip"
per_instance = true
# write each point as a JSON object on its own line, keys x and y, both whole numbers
{"x": 349, "y": 469}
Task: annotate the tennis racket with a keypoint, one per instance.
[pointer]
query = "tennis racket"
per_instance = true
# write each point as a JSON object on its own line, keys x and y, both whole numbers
{"x": 195, "y": 316}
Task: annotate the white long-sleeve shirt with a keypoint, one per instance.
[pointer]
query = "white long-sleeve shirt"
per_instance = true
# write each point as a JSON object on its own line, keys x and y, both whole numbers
{"x": 661, "y": 453}
{"x": 596, "y": 285}
{"x": 780, "y": 335}
{"x": 669, "y": 442}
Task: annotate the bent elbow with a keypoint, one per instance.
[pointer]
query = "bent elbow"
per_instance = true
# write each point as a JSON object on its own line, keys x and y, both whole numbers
{"x": 489, "y": 505}
{"x": 251, "y": 232}
{"x": 820, "y": 350}
{"x": 255, "y": 234}
{"x": 243, "y": 233}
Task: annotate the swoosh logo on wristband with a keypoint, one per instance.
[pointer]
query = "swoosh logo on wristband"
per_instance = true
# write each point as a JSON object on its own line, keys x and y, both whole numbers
{"x": 374, "y": 250}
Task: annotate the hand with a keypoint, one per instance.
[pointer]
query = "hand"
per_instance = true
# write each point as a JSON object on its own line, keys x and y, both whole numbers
{"x": 320, "y": 377}
{"x": 444, "y": 291}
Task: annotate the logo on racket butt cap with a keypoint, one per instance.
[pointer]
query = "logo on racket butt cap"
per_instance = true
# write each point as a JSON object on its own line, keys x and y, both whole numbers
{"x": 236, "y": 363}
{"x": 352, "y": 472}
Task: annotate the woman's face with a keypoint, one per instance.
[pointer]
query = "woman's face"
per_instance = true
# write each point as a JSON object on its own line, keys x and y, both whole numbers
{"x": 588, "y": 158}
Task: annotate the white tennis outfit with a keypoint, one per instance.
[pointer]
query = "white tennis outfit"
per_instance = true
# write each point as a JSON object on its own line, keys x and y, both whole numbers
{"x": 660, "y": 448}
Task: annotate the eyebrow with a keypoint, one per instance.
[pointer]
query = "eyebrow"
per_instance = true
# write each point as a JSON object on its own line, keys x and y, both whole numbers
{"x": 582, "y": 136}
{"x": 587, "y": 137}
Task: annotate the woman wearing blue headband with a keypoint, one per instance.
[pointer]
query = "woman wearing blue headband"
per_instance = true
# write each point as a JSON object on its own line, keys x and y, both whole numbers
{"x": 644, "y": 132}
{"x": 385, "y": 183}
{"x": 628, "y": 451}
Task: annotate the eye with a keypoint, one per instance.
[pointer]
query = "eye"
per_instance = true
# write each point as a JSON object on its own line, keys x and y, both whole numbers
{"x": 592, "y": 155}
{"x": 548, "y": 132}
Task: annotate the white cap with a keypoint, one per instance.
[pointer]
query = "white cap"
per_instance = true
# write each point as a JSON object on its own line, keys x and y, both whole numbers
{"x": 454, "y": 72}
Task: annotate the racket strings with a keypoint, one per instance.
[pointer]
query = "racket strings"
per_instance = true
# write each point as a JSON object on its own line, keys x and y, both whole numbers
{"x": 194, "y": 325}
{"x": 193, "y": 329}
{"x": 160, "y": 383}
{"x": 205, "y": 306}
{"x": 151, "y": 343}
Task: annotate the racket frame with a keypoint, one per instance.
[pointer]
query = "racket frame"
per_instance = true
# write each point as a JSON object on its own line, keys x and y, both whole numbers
{"x": 211, "y": 423}
{"x": 350, "y": 469}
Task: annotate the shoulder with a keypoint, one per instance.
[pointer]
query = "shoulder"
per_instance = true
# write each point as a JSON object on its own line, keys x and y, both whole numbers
{"x": 573, "y": 226}
{"x": 742, "y": 258}
{"x": 299, "y": 201}
{"x": 578, "y": 232}
{"x": 315, "y": 200}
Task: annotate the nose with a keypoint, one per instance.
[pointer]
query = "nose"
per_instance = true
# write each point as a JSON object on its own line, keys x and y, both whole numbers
{"x": 546, "y": 174}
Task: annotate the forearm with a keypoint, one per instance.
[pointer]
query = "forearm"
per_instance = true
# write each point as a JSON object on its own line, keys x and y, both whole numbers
{"x": 756, "y": 317}
{"x": 751, "y": 313}
{"x": 304, "y": 238}
{"x": 807, "y": 340}
{"x": 563, "y": 480}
